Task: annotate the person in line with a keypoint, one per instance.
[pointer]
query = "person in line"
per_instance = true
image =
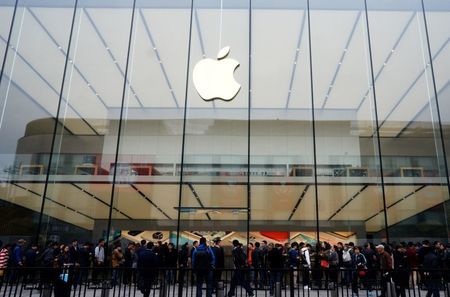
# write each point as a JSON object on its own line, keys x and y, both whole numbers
{"x": 385, "y": 266}
{"x": 293, "y": 262}
{"x": 240, "y": 265}
{"x": 4, "y": 257}
{"x": 203, "y": 261}
{"x": 183, "y": 261}
{"x": 275, "y": 262}
{"x": 147, "y": 263}
{"x": 219, "y": 255}
{"x": 99, "y": 259}
{"x": 430, "y": 271}
{"x": 29, "y": 259}
{"x": 170, "y": 259}
{"x": 117, "y": 261}
{"x": 359, "y": 269}
{"x": 306, "y": 265}
{"x": 401, "y": 270}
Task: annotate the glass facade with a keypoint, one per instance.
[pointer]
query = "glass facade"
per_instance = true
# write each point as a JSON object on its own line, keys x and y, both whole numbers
{"x": 340, "y": 130}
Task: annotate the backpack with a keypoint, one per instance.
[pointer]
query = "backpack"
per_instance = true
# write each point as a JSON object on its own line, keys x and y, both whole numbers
{"x": 202, "y": 259}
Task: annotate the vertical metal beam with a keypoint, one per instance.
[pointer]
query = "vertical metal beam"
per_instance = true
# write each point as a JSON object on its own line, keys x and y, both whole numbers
{"x": 13, "y": 18}
{"x": 183, "y": 137}
{"x": 437, "y": 106}
{"x": 249, "y": 190}
{"x": 313, "y": 119}
{"x": 380, "y": 158}
{"x": 119, "y": 131}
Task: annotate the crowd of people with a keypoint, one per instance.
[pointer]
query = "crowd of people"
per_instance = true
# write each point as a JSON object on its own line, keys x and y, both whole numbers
{"x": 259, "y": 265}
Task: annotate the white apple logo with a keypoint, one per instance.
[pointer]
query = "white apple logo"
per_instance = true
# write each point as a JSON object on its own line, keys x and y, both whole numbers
{"x": 214, "y": 79}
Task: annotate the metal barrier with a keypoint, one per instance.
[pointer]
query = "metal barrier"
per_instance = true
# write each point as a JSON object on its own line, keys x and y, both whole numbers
{"x": 163, "y": 282}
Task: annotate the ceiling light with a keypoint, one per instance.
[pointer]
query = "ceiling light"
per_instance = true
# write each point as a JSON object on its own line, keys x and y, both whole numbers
{"x": 107, "y": 48}
{"x": 345, "y": 49}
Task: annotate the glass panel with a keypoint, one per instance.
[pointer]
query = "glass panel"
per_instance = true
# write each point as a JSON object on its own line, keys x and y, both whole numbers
{"x": 348, "y": 170}
{"x": 413, "y": 162}
{"x": 6, "y": 14}
{"x": 438, "y": 21}
{"x": 147, "y": 183}
{"x": 29, "y": 95}
{"x": 283, "y": 193}
{"x": 84, "y": 152}
{"x": 214, "y": 190}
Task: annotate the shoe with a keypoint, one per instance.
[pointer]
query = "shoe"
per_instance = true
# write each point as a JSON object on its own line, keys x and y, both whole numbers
{"x": 306, "y": 288}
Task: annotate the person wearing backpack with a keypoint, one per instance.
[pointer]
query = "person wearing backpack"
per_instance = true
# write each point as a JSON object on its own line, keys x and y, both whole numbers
{"x": 203, "y": 262}
{"x": 238, "y": 278}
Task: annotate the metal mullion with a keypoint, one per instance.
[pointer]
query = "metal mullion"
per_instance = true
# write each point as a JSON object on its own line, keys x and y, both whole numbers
{"x": 316, "y": 195}
{"x": 13, "y": 18}
{"x": 116, "y": 158}
{"x": 249, "y": 118}
{"x": 376, "y": 120}
{"x": 55, "y": 127}
{"x": 183, "y": 137}
{"x": 437, "y": 105}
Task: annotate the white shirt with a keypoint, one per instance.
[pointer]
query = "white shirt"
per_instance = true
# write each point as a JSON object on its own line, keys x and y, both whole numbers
{"x": 100, "y": 254}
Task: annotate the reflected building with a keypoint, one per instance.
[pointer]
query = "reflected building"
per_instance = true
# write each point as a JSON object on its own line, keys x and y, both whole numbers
{"x": 339, "y": 132}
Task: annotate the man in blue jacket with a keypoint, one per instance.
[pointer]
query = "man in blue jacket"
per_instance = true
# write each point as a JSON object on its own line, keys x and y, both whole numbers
{"x": 203, "y": 262}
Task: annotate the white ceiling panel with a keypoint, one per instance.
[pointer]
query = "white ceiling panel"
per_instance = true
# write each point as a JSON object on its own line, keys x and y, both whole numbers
{"x": 274, "y": 46}
{"x": 172, "y": 44}
{"x": 145, "y": 72}
{"x": 330, "y": 31}
{"x": 401, "y": 70}
{"x": 353, "y": 78}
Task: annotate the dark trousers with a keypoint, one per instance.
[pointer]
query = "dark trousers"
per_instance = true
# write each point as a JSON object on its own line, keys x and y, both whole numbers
{"x": 207, "y": 277}
{"x": 305, "y": 276}
{"x": 217, "y": 278}
{"x": 275, "y": 277}
{"x": 433, "y": 287}
{"x": 238, "y": 278}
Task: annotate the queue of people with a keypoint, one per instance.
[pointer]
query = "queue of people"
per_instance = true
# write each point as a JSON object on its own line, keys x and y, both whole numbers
{"x": 259, "y": 265}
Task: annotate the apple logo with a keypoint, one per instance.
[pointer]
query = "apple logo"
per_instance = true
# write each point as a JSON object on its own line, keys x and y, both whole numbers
{"x": 214, "y": 79}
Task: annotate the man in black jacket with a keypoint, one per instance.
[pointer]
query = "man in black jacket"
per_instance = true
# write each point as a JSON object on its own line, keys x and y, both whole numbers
{"x": 238, "y": 278}
{"x": 219, "y": 254}
{"x": 147, "y": 263}
{"x": 257, "y": 263}
{"x": 275, "y": 259}
{"x": 431, "y": 265}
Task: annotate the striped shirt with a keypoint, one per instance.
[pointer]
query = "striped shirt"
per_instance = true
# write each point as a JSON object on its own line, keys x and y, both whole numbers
{"x": 4, "y": 256}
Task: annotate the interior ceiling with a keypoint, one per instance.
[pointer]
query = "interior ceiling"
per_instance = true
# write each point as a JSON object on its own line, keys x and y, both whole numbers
{"x": 83, "y": 203}
{"x": 280, "y": 62}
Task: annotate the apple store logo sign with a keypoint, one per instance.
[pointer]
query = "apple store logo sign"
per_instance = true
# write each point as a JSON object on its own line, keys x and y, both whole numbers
{"x": 214, "y": 79}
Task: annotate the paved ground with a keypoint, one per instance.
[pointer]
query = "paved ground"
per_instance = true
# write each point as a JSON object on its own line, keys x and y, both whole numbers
{"x": 127, "y": 291}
